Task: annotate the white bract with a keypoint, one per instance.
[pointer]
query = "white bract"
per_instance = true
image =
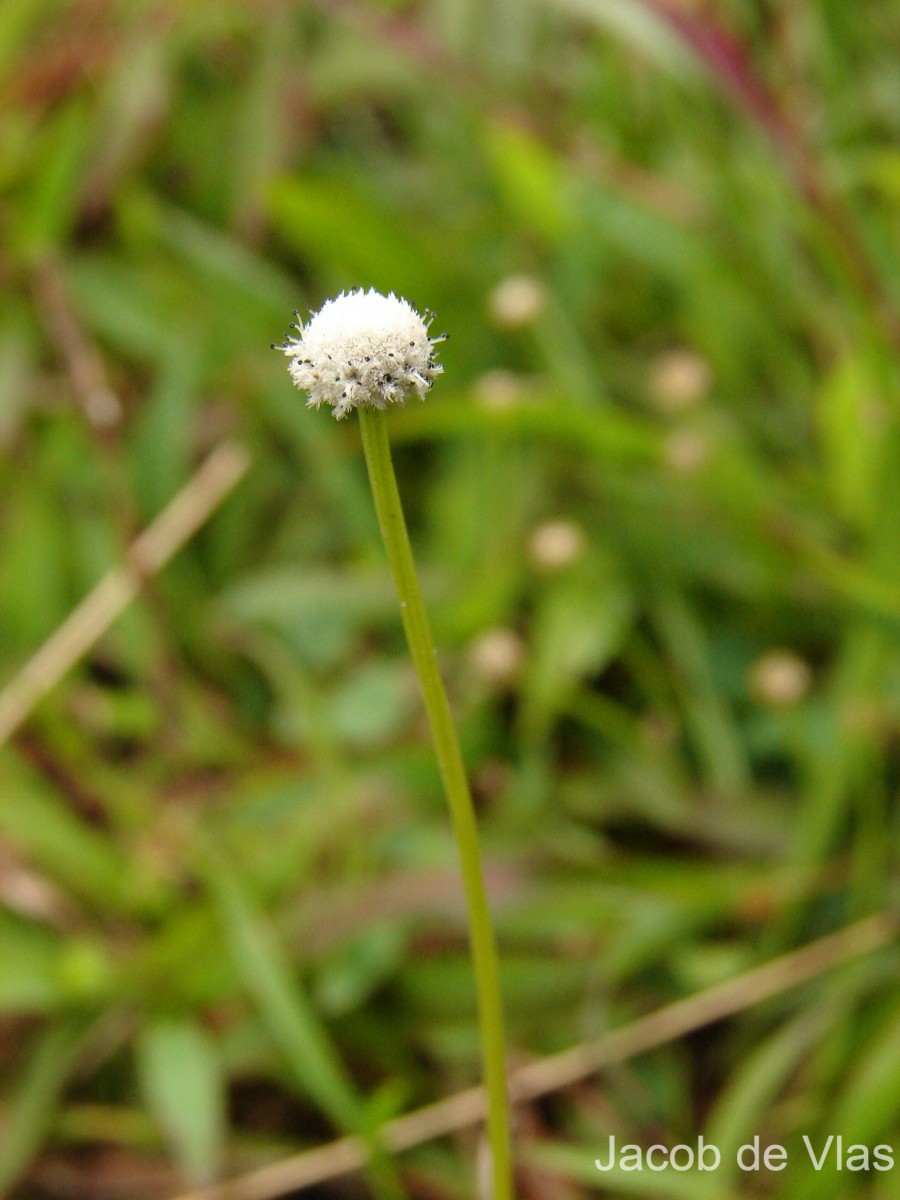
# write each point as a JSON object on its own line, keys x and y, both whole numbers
{"x": 363, "y": 348}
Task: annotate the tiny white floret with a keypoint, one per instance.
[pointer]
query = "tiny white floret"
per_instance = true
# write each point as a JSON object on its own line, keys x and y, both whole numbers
{"x": 362, "y": 348}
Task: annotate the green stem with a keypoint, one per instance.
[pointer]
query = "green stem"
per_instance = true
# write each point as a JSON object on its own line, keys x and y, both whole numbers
{"x": 453, "y": 772}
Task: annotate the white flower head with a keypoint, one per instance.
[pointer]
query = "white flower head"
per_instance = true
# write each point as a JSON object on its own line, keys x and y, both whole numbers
{"x": 362, "y": 348}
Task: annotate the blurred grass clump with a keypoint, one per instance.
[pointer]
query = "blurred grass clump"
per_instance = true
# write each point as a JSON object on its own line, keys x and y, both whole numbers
{"x": 655, "y": 497}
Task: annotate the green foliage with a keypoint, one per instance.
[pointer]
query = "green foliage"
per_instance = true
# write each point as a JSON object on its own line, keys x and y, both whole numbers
{"x": 230, "y": 914}
{"x": 182, "y": 1079}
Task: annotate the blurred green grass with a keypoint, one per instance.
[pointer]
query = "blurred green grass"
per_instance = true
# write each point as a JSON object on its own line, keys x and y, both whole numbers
{"x": 655, "y": 501}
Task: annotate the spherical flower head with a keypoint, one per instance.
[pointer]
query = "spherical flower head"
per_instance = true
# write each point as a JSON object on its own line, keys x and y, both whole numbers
{"x": 363, "y": 348}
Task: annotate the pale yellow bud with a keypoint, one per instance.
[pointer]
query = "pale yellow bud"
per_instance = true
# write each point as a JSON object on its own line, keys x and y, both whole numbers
{"x": 679, "y": 380}
{"x": 779, "y": 678}
{"x": 496, "y": 656}
{"x": 517, "y": 301}
{"x": 554, "y": 545}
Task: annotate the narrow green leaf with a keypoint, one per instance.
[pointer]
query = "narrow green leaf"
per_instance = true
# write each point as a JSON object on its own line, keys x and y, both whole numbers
{"x": 51, "y": 209}
{"x": 290, "y": 1018}
{"x": 50, "y": 834}
{"x": 754, "y": 1085}
{"x": 869, "y": 1102}
{"x": 181, "y": 1076}
{"x": 31, "y": 1109}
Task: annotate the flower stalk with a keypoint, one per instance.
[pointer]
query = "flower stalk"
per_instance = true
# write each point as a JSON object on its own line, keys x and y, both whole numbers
{"x": 369, "y": 352}
{"x": 453, "y": 773}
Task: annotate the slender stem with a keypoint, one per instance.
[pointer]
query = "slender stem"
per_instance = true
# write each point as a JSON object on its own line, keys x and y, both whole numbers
{"x": 453, "y": 772}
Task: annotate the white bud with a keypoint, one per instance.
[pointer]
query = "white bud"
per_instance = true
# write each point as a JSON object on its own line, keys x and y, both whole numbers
{"x": 679, "y": 380}
{"x": 686, "y": 451}
{"x": 363, "y": 348}
{"x": 517, "y": 301}
{"x": 499, "y": 390}
{"x": 780, "y": 678}
{"x": 554, "y": 545}
{"x": 497, "y": 656}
